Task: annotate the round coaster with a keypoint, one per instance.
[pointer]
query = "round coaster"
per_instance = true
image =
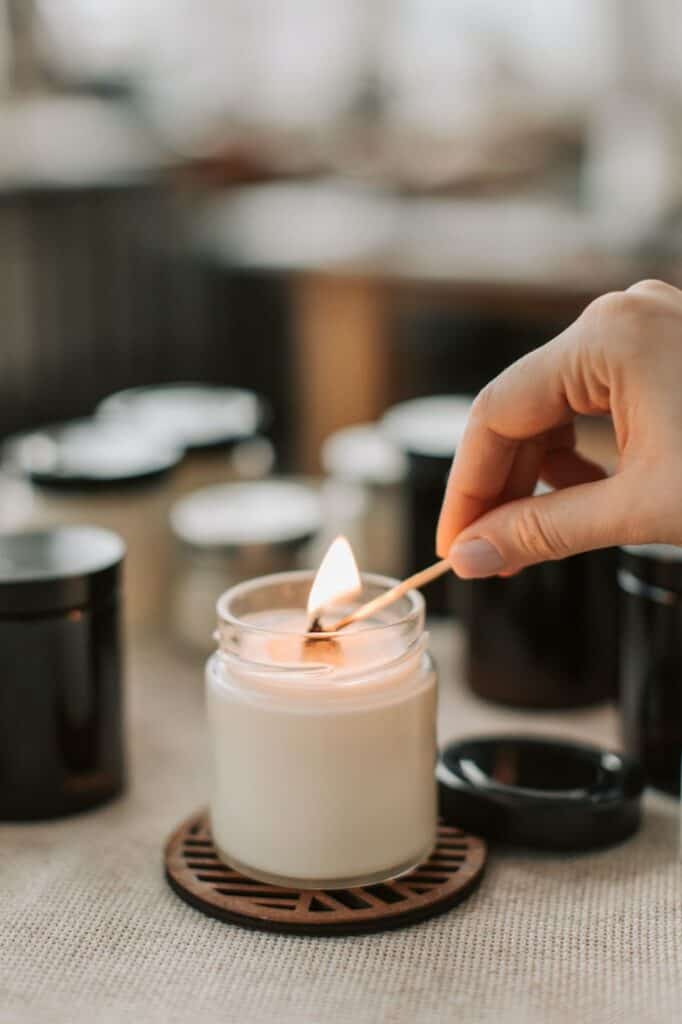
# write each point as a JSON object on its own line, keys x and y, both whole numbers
{"x": 196, "y": 874}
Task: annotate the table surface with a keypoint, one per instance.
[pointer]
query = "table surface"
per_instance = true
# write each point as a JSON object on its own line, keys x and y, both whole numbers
{"x": 90, "y": 932}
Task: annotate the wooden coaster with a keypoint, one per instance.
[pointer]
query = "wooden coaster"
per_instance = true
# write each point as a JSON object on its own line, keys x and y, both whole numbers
{"x": 196, "y": 874}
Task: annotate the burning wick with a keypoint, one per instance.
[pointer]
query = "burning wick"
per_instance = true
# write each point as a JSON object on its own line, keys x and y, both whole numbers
{"x": 337, "y": 580}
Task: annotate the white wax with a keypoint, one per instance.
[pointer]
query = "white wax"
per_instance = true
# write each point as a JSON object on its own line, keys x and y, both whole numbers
{"x": 322, "y": 776}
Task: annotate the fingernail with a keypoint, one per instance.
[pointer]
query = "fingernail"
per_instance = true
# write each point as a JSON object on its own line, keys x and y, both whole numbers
{"x": 475, "y": 558}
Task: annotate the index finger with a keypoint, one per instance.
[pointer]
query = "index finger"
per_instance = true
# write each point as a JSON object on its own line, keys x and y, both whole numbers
{"x": 524, "y": 401}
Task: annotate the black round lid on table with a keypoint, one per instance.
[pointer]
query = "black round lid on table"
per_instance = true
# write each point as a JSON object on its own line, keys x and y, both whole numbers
{"x": 59, "y": 569}
{"x": 539, "y": 792}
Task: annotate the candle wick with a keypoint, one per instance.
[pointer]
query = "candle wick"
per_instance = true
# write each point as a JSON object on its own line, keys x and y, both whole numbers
{"x": 320, "y": 646}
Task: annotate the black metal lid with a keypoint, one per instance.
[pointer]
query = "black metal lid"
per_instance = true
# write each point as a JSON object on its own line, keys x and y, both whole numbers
{"x": 658, "y": 565}
{"x": 539, "y": 792}
{"x": 54, "y": 570}
{"x": 91, "y": 454}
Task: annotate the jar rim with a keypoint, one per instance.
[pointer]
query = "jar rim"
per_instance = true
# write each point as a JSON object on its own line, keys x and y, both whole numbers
{"x": 415, "y": 598}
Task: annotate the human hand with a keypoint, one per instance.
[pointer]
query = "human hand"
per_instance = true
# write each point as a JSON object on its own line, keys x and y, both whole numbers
{"x": 622, "y": 356}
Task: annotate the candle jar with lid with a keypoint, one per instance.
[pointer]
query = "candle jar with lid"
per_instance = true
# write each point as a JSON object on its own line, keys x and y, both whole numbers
{"x": 218, "y": 429}
{"x": 323, "y": 745}
{"x": 364, "y": 495}
{"x": 650, "y": 579}
{"x": 109, "y": 475}
{"x": 61, "y": 724}
{"x": 547, "y": 637}
{"x": 232, "y": 532}
{"x": 428, "y": 431}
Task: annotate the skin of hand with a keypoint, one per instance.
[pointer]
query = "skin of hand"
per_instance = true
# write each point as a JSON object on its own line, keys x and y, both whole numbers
{"x": 623, "y": 357}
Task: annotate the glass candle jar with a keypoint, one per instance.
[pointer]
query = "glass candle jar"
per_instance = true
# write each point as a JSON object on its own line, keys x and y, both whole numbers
{"x": 61, "y": 737}
{"x": 213, "y": 425}
{"x": 109, "y": 475}
{"x": 323, "y": 746}
{"x": 650, "y": 578}
{"x": 364, "y": 495}
{"x": 233, "y": 532}
{"x": 548, "y": 637}
{"x": 428, "y": 431}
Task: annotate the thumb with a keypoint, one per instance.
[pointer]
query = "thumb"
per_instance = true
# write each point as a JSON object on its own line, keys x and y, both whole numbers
{"x": 550, "y": 526}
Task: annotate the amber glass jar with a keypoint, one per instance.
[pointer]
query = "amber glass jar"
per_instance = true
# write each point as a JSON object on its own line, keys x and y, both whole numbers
{"x": 427, "y": 431}
{"x": 650, "y": 578}
{"x": 546, "y": 638}
{"x": 61, "y": 747}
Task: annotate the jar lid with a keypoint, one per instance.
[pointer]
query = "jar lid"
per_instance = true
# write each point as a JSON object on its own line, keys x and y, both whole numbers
{"x": 658, "y": 565}
{"x": 428, "y": 426}
{"x": 539, "y": 792}
{"x": 241, "y": 514}
{"x": 363, "y": 454}
{"x": 192, "y": 415}
{"x": 90, "y": 453}
{"x": 55, "y": 570}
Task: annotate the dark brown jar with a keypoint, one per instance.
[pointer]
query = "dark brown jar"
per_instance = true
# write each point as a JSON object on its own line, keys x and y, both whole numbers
{"x": 546, "y": 638}
{"x": 61, "y": 746}
{"x": 428, "y": 431}
{"x": 650, "y": 578}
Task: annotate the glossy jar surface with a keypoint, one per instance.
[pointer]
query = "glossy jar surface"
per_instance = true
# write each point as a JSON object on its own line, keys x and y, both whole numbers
{"x": 650, "y": 579}
{"x": 323, "y": 757}
{"x": 61, "y": 744}
{"x": 548, "y": 637}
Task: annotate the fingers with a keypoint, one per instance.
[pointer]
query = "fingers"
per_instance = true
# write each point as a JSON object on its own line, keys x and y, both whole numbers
{"x": 551, "y": 526}
{"x": 622, "y": 356}
{"x": 528, "y": 400}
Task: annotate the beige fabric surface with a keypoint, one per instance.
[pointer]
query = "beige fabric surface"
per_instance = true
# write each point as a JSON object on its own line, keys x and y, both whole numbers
{"x": 89, "y": 931}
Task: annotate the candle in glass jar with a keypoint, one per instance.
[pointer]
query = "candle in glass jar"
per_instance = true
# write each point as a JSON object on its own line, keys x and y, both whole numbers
{"x": 323, "y": 747}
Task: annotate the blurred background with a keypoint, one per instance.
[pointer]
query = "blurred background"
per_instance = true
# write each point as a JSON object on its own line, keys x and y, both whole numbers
{"x": 328, "y": 207}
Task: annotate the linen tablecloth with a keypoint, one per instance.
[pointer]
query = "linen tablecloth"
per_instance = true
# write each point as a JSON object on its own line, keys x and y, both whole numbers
{"x": 90, "y": 932}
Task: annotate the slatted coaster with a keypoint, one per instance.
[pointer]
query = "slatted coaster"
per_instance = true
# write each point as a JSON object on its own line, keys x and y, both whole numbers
{"x": 199, "y": 877}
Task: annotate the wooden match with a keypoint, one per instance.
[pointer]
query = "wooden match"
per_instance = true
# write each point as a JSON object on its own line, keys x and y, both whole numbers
{"x": 419, "y": 579}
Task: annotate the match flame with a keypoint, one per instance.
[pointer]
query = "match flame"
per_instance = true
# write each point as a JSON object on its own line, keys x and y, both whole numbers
{"x": 337, "y": 578}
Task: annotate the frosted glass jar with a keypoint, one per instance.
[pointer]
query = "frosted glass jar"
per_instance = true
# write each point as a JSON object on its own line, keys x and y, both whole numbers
{"x": 323, "y": 752}
{"x": 230, "y": 533}
{"x": 213, "y": 425}
{"x": 364, "y": 496}
{"x": 107, "y": 475}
